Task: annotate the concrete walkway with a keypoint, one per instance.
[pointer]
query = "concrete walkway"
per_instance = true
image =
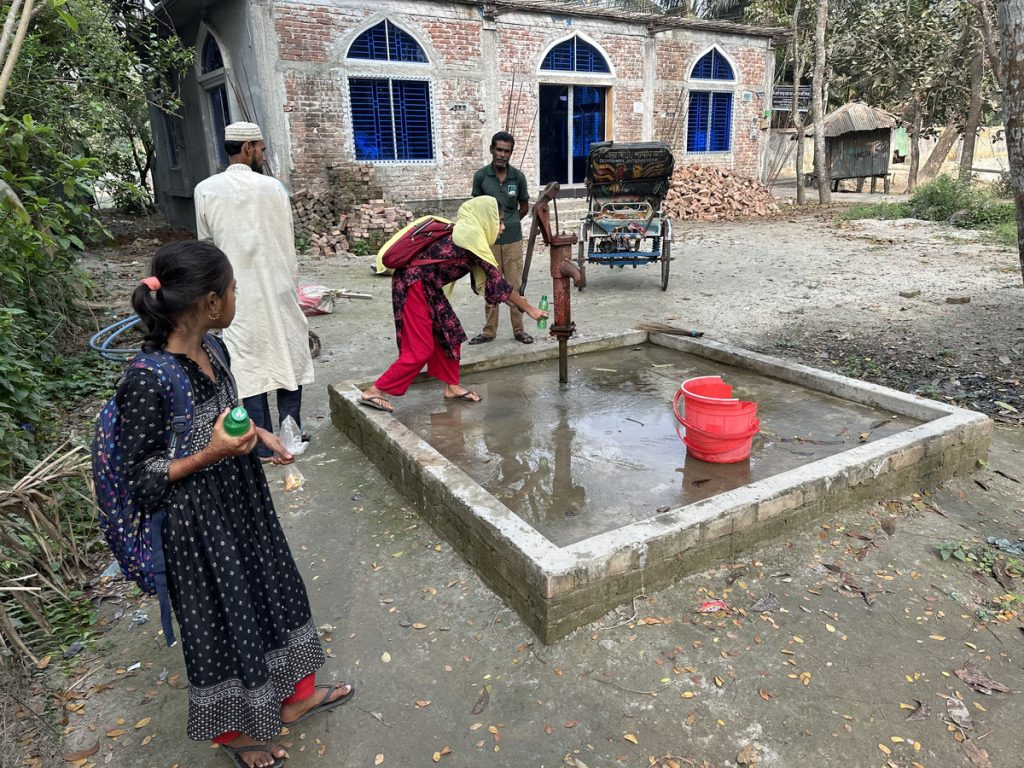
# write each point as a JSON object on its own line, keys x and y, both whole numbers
{"x": 870, "y": 621}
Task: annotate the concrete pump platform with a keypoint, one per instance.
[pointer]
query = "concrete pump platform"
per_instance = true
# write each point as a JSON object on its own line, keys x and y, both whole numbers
{"x": 571, "y": 500}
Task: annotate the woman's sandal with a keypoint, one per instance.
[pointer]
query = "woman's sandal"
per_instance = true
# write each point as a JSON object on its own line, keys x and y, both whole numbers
{"x": 469, "y": 396}
{"x": 235, "y": 753}
{"x": 325, "y": 703}
{"x": 377, "y": 402}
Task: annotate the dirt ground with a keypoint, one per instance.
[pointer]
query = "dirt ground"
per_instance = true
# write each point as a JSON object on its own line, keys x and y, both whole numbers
{"x": 447, "y": 675}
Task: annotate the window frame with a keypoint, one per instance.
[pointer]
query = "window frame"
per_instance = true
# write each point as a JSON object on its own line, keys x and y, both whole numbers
{"x": 392, "y": 71}
{"x": 716, "y": 89}
{"x": 211, "y": 83}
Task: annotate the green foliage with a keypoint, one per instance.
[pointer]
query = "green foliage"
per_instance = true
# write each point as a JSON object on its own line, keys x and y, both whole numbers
{"x": 978, "y": 556}
{"x": 950, "y": 201}
{"x": 883, "y": 211}
{"x": 302, "y": 241}
{"x": 1004, "y": 234}
{"x": 362, "y": 247}
{"x": 946, "y": 199}
{"x": 39, "y": 280}
{"x": 86, "y": 70}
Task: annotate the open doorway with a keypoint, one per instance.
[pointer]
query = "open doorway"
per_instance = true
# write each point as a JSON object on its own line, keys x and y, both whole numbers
{"x": 572, "y": 117}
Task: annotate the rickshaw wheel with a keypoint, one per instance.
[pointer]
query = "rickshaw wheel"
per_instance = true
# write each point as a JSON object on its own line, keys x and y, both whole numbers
{"x": 666, "y": 259}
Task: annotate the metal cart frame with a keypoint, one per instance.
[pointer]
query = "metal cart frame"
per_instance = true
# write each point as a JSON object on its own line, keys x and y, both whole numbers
{"x": 626, "y": 185}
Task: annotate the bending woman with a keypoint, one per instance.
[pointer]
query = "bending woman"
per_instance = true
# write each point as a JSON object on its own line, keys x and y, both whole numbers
{"x": 251, "y": 647}
{"x": 426, "y": 328}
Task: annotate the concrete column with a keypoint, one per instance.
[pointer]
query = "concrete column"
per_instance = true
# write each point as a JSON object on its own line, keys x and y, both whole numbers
{"x": 650, "y": 83}
{"x": 268, "y": 86}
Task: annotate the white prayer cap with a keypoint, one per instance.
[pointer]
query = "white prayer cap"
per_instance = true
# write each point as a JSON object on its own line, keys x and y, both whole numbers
{"x": 243, "y": 132}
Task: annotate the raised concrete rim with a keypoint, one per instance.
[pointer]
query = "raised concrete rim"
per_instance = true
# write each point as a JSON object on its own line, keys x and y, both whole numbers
{"x": 555, "y": 572}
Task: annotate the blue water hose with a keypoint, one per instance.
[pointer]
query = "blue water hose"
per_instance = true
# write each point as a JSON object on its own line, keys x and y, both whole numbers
{"x": 102, "y": 340}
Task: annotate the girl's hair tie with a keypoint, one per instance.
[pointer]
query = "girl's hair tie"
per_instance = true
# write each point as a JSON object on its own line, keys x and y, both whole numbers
{"x": 152, "y": 283}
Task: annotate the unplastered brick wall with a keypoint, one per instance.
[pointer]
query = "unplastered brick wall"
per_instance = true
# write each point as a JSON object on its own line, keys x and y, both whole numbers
{"x": 677, "y": 52}
{"x": 476, "y": 66}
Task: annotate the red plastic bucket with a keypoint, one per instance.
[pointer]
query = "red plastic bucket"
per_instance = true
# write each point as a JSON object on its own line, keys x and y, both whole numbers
{"x": 719, "y": 448}
{"x": 719, "y": 427}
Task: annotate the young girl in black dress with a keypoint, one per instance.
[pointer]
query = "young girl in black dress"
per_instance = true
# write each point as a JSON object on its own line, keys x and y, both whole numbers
{"x": 250, "y": 644}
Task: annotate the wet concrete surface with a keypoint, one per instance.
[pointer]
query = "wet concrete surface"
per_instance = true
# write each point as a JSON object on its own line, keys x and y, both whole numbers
{"x": 603, "y": 450}
{"x": 821, "y": 681}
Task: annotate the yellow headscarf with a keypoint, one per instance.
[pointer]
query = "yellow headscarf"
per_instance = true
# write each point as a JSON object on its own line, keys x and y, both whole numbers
{"x": 476, "y": 228}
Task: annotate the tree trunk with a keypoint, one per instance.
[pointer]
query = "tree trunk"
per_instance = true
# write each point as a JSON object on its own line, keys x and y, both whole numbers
{"x": 934, "y": 162}
{"x": 1011, "y": 30}
{"x": 991, "y": 44}
{"x": 795, "y": 117}
{"x": 916, "y": 124}
{"x": 820, "y": 161}
{"x": 12, "y": 55}
{"x": 977, "y": 73}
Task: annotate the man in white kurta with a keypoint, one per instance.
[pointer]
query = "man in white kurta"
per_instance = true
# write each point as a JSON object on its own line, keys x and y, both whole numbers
{"x": 249, "y": 217}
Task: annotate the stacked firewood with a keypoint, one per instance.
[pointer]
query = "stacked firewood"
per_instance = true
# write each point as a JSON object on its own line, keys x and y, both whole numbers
{"x": 709, "y": 193}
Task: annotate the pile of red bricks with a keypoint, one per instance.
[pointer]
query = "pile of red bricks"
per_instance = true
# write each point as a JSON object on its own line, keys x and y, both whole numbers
{"x": 369, "y": 224}
{"x": 313, "y": 212}
{"x": 376, "y": 220}
{"x": 709, "y": 193}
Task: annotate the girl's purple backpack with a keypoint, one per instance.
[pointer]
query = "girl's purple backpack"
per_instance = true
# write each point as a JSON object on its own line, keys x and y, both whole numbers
{"x": 134, "y": 536}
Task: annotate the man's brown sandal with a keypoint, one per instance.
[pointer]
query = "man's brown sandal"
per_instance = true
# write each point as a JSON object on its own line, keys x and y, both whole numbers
{"x": 524, "y": 337}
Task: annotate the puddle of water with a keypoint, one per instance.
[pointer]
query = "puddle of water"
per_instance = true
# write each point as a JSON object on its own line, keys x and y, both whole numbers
{"x": 603, "y": 451}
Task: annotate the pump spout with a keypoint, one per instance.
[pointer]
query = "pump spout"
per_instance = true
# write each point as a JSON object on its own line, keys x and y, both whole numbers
{"x": 569, "y": 269}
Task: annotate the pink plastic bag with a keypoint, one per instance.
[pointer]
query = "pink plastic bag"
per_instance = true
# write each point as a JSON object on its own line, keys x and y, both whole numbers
{"x": 316, "y": 300}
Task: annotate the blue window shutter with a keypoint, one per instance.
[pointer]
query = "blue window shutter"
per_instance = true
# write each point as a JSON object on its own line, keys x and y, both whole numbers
{"x": 372, "y": 122}
{"x": 412, "y": 119}
{"x": 372, "y": 44}
{"x": 391, "y": 119}
{"x": 712, "y": 66}
{"x": 404, "y": 47}
{"x": 588, "y": 58}
{"x": 721, "y": 122}
{"x": 697, "y": 121}
{"x": 560, "y": 58}
{"x": 709, "y": 122}
{"x": 721, "y": 69}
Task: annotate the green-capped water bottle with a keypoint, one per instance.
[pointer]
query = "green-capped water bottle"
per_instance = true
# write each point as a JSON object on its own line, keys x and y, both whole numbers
{"x": 236, "y": 423}
{"x": 543, "y": 307}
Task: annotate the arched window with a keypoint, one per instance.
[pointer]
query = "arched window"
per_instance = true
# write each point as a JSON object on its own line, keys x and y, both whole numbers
{"x": 391, "y": 116}
{"x": 709, "y": 115}
{"x": 212, "y": 60}
{"x": 575, "y": 55}
{"x": 213, "y": 79}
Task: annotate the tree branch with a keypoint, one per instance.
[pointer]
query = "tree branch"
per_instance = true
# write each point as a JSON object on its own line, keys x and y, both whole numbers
{"x": 12, "y": 56}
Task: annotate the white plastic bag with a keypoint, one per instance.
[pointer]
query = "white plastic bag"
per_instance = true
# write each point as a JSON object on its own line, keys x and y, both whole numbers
{"x": 291, "y": 439}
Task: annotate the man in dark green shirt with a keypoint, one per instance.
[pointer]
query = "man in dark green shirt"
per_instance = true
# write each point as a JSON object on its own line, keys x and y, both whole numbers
{"x": 508, "y": 185}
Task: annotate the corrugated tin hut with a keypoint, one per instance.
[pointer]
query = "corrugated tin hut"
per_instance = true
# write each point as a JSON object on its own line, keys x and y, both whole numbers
{"x": 858, "y": 141}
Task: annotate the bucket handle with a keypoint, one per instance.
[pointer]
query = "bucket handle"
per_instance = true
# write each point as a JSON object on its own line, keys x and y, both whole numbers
{"x": 675, "y": 408}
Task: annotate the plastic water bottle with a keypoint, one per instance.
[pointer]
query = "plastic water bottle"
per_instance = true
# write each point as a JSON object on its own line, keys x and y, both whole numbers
{"x": 236, "y": 423}
{"x": 543, "y": 306}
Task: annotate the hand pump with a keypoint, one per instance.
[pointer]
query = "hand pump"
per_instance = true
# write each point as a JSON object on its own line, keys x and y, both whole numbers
{"x": 562, "y": 268}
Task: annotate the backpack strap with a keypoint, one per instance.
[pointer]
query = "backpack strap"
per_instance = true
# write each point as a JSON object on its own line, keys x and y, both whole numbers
{"x": 218, "y": 349}
{"x": 178, "y": 402}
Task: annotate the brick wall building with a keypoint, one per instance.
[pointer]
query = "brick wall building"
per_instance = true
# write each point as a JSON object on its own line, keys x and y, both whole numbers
{"x": 417, "y": 88}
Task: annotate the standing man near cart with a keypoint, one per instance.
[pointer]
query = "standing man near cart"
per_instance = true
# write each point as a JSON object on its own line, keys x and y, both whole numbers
{"x": 508, "y": 186}
{"x": 249, "y": 216}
